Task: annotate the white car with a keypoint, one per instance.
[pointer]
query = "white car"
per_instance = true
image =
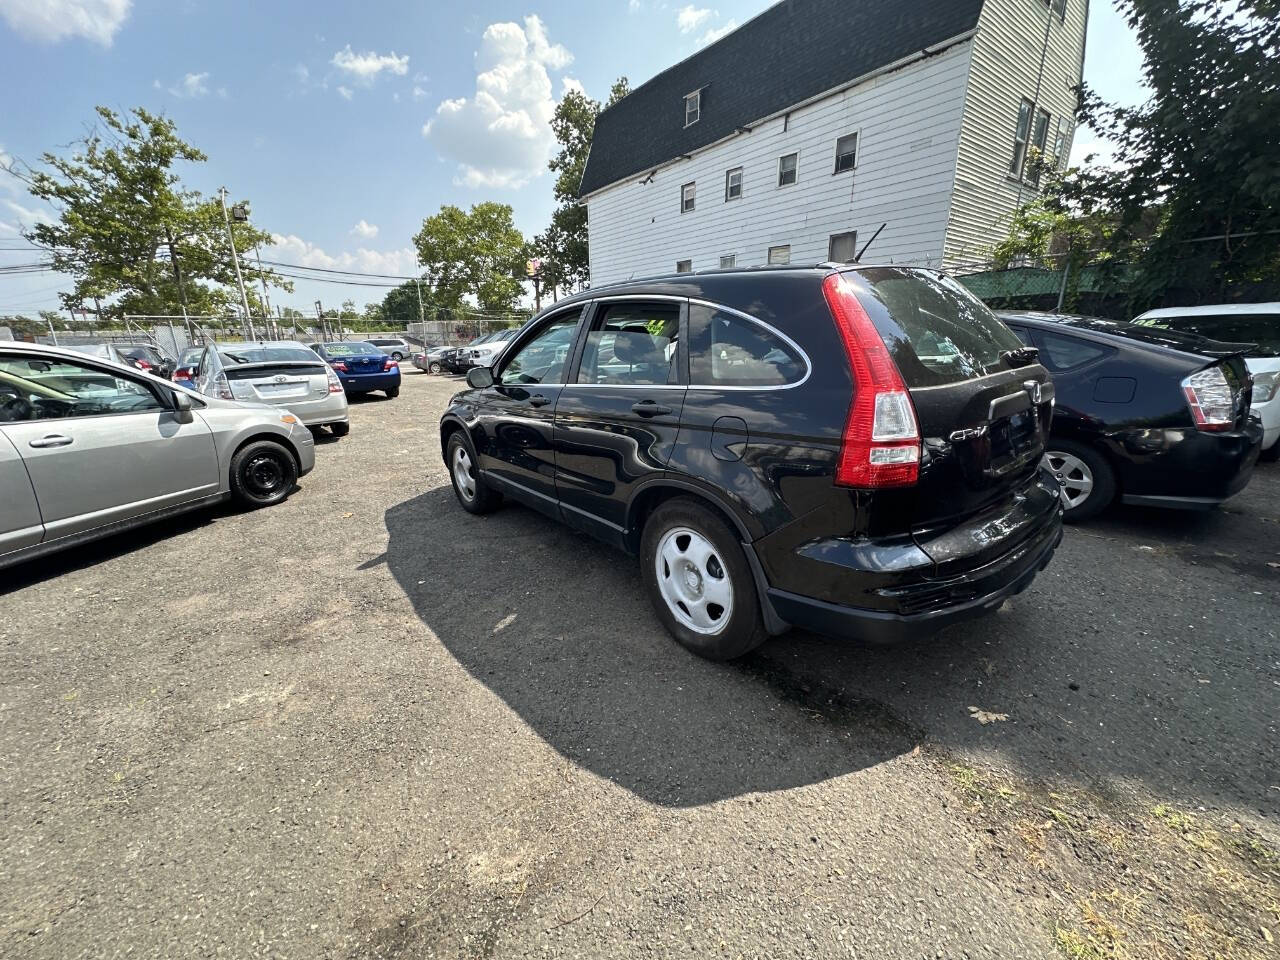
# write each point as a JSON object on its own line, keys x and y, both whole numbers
{"x": 394, "y": 347}
{"x": 1256, "y": 323}
{"x": 485, "y": 353}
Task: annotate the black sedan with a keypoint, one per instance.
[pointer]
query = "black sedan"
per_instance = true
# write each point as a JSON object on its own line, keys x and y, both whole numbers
{"x": 1151, "y": 417}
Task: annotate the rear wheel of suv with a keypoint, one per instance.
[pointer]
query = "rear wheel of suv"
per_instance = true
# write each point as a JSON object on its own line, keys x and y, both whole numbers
{"x": 1087, "y": 481}
{"x": 263, "y": 473}
{"x": 469, "y": 487}
{"x": 699, "y": 581}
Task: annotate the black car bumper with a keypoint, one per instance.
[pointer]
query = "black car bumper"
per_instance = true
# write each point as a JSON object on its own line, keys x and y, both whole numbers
{"x": 940, "y": 603}
{"x": 1185, "y": 468}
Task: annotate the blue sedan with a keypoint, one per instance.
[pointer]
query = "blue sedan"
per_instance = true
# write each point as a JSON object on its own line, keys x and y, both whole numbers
{"x": 361, "y": 367}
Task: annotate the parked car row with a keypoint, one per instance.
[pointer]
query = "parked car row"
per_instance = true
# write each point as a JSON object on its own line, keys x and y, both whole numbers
{"x": 858, "y": 450}
{"x": 479, "y": 352}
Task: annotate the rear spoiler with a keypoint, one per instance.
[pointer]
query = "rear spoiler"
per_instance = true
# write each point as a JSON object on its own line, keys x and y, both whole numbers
{"x": 1221, "y": 350}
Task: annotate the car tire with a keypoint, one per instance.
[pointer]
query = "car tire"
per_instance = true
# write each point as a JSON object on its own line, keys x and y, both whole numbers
{"x": 263, "y": 473}
{"x": 340, "y": 429}
{"x": 434, "y": 367}
{"x": 1088, "y": 482}
{"x": 393, "y": 393}
{"x": 469, "y": 487}
{"x": 699, "y": 581}
{"x": 397, "y": 356}
{"x": 1271, "y": 454}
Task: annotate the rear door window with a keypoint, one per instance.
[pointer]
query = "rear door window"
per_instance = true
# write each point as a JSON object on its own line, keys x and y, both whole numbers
{"x": 632, "y": 343}
{"x": 936, "y": 331}
{"x": 727, "y": 349}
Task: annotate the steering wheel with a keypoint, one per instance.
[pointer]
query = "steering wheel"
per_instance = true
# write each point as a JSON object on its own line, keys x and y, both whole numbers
{"x": 14, "y": 409}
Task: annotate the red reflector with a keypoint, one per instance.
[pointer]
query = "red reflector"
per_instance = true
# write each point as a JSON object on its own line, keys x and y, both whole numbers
{"x": 881, "y": 444}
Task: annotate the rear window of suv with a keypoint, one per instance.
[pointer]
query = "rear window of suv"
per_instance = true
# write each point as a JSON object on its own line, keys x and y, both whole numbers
{"x": 1262, "y": 329}
{"x": 936, "y": 331}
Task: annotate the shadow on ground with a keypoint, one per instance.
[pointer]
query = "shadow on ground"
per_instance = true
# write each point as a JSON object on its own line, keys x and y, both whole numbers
{"x": 1108, "y": 669}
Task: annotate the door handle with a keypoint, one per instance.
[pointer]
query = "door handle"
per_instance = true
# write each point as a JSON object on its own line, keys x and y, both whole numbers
{"x": 647, "y": 408}
{"x": 538, "y": 400}
{"x": 51, "y": 440}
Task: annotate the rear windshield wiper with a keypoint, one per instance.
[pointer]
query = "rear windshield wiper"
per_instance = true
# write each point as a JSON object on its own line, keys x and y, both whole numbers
{"x": 1021, "y": 357}
{"x": 236, "y": 357}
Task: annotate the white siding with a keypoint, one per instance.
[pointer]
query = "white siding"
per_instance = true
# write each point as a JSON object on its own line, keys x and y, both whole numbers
{"x": 909, "y": 122}
{"x": 1006, "y": 61}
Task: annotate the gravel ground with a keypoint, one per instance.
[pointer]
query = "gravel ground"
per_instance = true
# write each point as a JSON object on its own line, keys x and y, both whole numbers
{"x": 367, "y": 724}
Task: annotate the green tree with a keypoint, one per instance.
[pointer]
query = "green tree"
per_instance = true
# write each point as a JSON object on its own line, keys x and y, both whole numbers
{"x": 123, "y": 214}
{"x": 477, "y": 253}
{"x": 1192, "y": 199}
{"x": 400, "y": 305}
{"x": 562, "y": 247}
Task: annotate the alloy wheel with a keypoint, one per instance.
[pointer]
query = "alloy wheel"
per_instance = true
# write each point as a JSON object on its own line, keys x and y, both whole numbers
{"x": 1073, "y": 475}
{"x": 693, "y": 581}
{"x": 463, "y": 475}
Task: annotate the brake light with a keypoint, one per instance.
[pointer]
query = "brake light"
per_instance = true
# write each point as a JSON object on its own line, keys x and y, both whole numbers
{"x": 390, "y": 364}
{"x": 182, "y": 373}
{"x": 224, "y": 387}
{"x": 335, "y": 385}
{"x": 339, "y": 366}
{"x": 142, "y": 365}
{"x": 1209, "y": 396}
{"x": 881, "y": 443}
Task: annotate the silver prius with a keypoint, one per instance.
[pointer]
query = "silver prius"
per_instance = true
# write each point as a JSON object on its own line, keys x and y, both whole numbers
{"x": 281, "y": 372}
{"x": 89, "y": 447}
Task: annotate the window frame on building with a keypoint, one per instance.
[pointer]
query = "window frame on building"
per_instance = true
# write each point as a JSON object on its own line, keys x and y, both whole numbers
{"x": 728, "y": 184}
{"x": 732, "y": 259}
{"x": 1039, "y": 142}
{"x": 688, "y": 196}
{"x": 786, "y": 248}
{"x": 795, "y": 170}
{"x": 1021, "y": 137}
{"x": 684, "y": 266}
{"x": 856, "y": 136}
{"x": 693, "y": 100}
{"x": 852, "y": 235}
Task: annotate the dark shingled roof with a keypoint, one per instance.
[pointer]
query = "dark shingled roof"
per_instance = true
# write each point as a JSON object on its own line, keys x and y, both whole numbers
{"x": 793, "y": 51}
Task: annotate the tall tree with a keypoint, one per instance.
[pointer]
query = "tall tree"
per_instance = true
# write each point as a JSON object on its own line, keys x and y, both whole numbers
{"x": 477, "y": 253}
{"x": 400, "y": 305}
{"x": 1197, "y": 161}
{"x": 125, "y": 222}
{"x": 563, "y": 245}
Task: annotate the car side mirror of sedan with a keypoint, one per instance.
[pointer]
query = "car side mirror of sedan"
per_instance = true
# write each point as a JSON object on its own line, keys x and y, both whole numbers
{"x": 480, "y": 377}
{"x": 183, "y": 406}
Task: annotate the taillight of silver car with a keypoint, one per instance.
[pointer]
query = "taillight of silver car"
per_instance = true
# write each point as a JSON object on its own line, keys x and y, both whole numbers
{"x": 335, "y": 385}
{"x": 1209, "y": 396}
{"x": 881, "y": 444}
{"x": 224, "y": 387}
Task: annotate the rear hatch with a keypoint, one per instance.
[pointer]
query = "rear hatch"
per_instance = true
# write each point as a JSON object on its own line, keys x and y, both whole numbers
{"x": 360, "y": 364}
{"x": 983, "y": 405}
{"x": 278, "y": 375}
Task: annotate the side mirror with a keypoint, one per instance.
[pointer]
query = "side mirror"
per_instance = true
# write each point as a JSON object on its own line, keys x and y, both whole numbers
{"x": 480, "y": 377}
{"x": 183, "y": 406}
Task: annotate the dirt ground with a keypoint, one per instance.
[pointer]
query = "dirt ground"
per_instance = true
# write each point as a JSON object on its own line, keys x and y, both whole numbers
{"x": 367, "y": 724}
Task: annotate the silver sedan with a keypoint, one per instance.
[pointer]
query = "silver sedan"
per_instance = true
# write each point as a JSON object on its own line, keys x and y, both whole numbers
{"x": 89, "y": 448}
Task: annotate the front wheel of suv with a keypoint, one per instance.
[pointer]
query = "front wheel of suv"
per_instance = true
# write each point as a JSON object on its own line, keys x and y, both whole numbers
{"x": 699, "y": 581}
{"x": 473, "y": 493}
{"x": 1087, "y": 481}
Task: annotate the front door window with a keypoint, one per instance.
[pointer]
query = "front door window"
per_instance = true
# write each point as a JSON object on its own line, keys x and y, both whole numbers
{"x": 542, "y": 359}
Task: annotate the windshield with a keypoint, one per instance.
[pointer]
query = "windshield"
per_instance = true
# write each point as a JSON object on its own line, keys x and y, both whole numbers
{"x": 345, "y": 349}
{"x": 936, "y": 331}
{"x": 257, "y": 353}
{"x": 190, "y": 355}
{"x": 1260, "y": 328}
{"x": 92, "y": 349}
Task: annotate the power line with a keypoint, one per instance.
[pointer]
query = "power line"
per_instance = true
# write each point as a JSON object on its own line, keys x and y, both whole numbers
{"x": 348, "y": 273}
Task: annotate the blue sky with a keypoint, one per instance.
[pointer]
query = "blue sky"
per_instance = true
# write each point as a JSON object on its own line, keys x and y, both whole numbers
{"x": 346, "y": 124}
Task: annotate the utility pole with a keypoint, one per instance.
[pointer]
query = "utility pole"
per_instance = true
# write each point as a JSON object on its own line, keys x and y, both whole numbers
{"x": 422, "y": 317}
{"x": 235, "y": 259}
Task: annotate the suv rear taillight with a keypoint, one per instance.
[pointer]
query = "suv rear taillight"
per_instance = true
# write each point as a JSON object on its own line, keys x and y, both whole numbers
{"x": 1209, "y": 396}
{"x": 881, "y": 444}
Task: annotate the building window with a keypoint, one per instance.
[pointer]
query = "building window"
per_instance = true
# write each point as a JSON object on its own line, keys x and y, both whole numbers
{"x": 787, "y": 169}
{"x": 846, "y": 153}
{"x": 687, "y": 197}
{"x": 729, "y": 262}
{"x": 843, "y": 247}
{"x": 1060, "y": 144}
{"x": 693, "y": 108}
{"x": 684, "y": 266}
{"x": 780, "y": 256}
{"x": 1020, "y": 135}
{"x": 1039, "y": 139}
{"x": 732, "y": 184}
{"x": 1059, "y": 7}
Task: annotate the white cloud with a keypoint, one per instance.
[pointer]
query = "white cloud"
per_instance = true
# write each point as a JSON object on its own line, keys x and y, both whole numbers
{"x": 365, "y": 67}
{"x": 345, "y": 92}
{"x": 27, "y": 216}
{"x": 501, "y": 136}
{"x": 52, "y": 20}
{"x": 191, "y": 87}
{"x": 419, "y": 93}
{"x": 633, "y": 6}
{"x": 293, "y": 249}
{"x": 690, "y": 18}
{"x": 365, "y": 230}
{"x": 715, "y": 33}
{"x": 302, "y": 73}
{"x": 1089, "y": 143}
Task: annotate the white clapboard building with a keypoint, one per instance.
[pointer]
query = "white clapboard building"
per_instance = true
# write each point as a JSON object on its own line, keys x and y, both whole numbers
{"x": 795, "y": 137}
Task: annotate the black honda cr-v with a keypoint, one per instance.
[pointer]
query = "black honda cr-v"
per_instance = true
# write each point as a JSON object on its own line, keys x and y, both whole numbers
{"x": 853, "y": 450}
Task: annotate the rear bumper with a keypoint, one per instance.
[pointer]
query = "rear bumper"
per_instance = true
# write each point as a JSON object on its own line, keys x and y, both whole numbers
{"x": 951, "y": 601}
{"x": 316, "y": 413}
{"x": 1185, "y": 468}
{"x": 361, "y": 382}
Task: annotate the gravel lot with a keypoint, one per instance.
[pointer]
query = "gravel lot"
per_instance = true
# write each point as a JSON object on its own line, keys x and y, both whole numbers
{"x": 367, "y": 724}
